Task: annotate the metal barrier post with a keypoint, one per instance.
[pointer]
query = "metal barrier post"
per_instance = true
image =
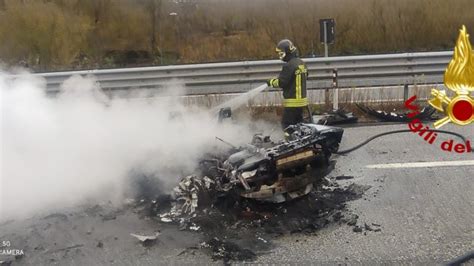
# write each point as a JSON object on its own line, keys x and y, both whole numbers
{"x": 335, "y": 102}
{"x": 405, "y": 93}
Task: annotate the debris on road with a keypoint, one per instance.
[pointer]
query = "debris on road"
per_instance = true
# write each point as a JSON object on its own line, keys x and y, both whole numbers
{"x": 6, "y": 262}
{"x": 337, "y": 117}
{"x": 367, "y": 227}
{"x": 344, "y": 177}
{"x": 166, "y": 220}
{"x": 362, "y": 228}
{"x": 147, "y": 241}
{"x": 352, "y": 220}
{"x": 227, "y": 251}
{"x": 426, "y": 113}
{"x": 192, "y": 249}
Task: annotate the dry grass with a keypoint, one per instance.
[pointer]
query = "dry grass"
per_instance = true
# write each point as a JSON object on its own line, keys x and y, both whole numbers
{"x": 65, "y": 34}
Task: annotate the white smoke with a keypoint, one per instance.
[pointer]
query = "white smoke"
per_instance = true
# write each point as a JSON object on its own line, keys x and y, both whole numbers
{"x": 59, "y": 151}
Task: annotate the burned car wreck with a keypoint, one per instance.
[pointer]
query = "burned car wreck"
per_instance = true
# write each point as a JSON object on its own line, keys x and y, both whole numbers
{"x": 263, "y": 170}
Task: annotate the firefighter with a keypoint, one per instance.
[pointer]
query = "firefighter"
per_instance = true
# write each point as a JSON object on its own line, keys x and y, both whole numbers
{"x": 292, "y": 80}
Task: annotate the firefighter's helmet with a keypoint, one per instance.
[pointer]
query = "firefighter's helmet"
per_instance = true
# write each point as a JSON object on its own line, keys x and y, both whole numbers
{"x": 285, "y": 48}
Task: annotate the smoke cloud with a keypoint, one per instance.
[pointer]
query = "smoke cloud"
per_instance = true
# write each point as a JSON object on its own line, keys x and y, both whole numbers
{"x": 80, "y": 145}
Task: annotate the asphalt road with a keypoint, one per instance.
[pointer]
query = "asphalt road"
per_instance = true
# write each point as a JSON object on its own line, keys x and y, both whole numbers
{"x": 425, "y": 215}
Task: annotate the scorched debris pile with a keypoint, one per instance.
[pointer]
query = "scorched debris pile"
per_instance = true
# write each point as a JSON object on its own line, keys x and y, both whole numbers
{"x": 263, "y": 170}
{"x": 241, "y": 198}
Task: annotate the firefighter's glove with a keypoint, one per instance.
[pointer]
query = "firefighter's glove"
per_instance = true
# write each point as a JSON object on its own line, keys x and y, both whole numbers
{"x": 272, "y": 83}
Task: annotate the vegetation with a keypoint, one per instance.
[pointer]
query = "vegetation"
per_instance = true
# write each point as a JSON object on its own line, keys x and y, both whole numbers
{"x": 74, "y": 34}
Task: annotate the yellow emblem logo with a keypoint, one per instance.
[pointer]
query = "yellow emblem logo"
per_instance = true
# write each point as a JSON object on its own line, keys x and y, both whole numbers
{"x": 459, "y": 78}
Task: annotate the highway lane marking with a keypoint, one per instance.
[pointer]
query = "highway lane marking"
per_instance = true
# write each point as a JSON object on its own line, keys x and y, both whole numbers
{"x": 421, "y": 164}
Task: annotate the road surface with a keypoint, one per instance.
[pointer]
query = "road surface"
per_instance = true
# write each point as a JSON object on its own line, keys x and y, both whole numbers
{"x": 425, "y": 212}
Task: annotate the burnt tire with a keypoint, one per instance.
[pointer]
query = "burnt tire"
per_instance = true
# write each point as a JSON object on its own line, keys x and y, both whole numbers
{"x": 194, "y": 193}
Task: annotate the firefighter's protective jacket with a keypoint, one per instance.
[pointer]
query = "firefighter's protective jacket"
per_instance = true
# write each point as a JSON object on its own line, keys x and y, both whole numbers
{"x": 292, "y": 80}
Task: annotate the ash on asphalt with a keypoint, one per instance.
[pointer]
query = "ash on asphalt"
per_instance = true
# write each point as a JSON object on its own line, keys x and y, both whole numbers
{"x": 229, "y": 230}
{"x": 241, "y": 229}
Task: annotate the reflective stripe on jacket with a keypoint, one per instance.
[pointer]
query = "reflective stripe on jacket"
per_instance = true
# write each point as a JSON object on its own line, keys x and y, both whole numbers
{"x": 292, "y": 80}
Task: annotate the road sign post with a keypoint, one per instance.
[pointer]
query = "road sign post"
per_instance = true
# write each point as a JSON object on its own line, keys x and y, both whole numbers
{"x": 335, "y": 101}
{"x": 326, "y": 33}
{"x": 325, "y": 28}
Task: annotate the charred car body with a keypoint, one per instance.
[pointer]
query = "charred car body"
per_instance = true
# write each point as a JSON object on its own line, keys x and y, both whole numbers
{"x": 281, "y": 171}
{"x": 262, "y": 170}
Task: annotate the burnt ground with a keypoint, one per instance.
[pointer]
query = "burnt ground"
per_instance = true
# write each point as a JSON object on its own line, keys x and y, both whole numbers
{"x": 424, "y": 216}
{"x": 240, "y": 230}
{"x": 248, "y": 229}
{"x": 237, "y": 229}
{"x": 228, "y": 231}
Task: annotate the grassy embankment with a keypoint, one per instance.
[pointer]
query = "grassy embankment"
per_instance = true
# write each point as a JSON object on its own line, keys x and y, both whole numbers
{"x": 73, "y": 34}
